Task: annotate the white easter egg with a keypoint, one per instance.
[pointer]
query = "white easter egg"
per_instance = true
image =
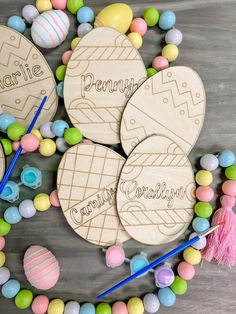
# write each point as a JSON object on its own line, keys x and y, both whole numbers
{"x": 50, "y": 29}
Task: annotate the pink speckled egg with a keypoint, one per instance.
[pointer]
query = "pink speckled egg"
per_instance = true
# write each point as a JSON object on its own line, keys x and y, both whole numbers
{"x": 41, "y": 267}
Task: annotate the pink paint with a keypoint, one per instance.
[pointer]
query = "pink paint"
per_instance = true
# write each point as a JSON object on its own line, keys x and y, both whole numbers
{"x": 115, "y": 256}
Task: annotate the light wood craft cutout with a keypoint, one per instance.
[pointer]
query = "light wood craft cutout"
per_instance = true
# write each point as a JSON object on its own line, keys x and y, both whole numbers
{"x": 155, "y": 195}
{"x": 25, "y": 78}
{"x": 87, "y": 181}
{"x": 171, "y": 103}
{"x": 2, "y": 162}
{"x": 103, "y": 72}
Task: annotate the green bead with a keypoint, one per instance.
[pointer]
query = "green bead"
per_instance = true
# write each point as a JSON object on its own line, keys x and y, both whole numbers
{"x": 103, "y": 308}
{"x": 16, "y": 131}
{"x": 230, "y": 172}
{"x": 179, "y": 286}
{"x": 203, "y": 209}
{"x": 7, "y": 146}
{"x": 24, "y": 299}
{"x": 73, "y": 136}
{"x": 5, "y": 227}
{"x": 151, "y": 16}
{"x": 74, "y": 5}
{"x": 60, "y": 72}
{"x": 151, "y": 72}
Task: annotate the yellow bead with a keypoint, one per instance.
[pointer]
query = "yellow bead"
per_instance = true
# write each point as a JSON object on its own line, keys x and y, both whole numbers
{"x": 75, "y": 42}
{"x": 47, "y": 147}
{"x": 38, "y": 134}
{"x": 42, "y": 202}
{"x": 136, "y": 40}
{"x": 204, "y": 177}
{"x": 56, "y": 306}
{"x": 135, "y": 306}
{"x": 43, "y": 5}
{"x": 170, "y": 52}
{"x": 2, "y": 258}
{"x": 192, "y": 256}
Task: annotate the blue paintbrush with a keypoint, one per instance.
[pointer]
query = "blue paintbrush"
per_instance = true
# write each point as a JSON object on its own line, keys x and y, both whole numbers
{"x": 19, "y": 150}
{"x": 159, "y": 261}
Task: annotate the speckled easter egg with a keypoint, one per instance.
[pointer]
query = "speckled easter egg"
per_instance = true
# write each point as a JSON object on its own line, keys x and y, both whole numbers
{"x": 50, "y": 29}
{"x": 25, "y": 78}
{"x": 41, "y": 267}
{"x": 117, "y": 15}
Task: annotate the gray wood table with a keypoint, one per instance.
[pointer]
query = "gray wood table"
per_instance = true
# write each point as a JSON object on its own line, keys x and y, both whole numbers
{"x": 209, "y": 46}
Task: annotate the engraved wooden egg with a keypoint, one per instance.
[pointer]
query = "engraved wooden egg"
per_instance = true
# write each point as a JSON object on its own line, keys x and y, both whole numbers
{"x": 25, "y": 78}
{"x": 172, "y": 103}
{"x": 102, "y": 74}
{"x": 155, "y": 194}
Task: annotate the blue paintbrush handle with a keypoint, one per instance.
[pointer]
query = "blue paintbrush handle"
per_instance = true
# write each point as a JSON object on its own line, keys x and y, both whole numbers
{"x": 18, "y": 152}
{"x": 157, "y": 262}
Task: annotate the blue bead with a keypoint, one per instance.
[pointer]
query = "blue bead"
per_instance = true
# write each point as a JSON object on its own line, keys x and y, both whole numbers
{"x": 85, "y": 15}
{"x": 6, "y": 120}
{"x": 200, "y": 224}
{"x": 167, "y": 20}
{"x": 166, "y": 297}
{"x": 12, "y": 215}
{"x": 60, "y": 89}
{"x": 137, "y": 263}
{"x": 17, "y": 23}
{"x": 226, "y": 158}
{"x": 58, "y": 127}
{"x": 87, "y": 308}
{"x": 10, "y": 289}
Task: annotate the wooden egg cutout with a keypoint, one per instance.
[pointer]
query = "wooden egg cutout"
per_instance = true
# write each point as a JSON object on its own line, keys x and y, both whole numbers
{"x": 25, "y": 78}
{"x": 87, "y": 180}
{"x": 2, "y": 162}
{"x": 102, "y": 74}
{"x": 155, "y": 195}
{"x": 172, "y": 103}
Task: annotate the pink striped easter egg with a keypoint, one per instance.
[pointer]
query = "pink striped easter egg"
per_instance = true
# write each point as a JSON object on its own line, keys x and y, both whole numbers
{"x": 50, "y": 29}
{"x": 41, "y": 267}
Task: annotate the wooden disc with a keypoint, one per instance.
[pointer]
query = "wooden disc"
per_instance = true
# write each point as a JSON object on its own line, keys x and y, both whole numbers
{"x": 87, "y": 180}
{"x": 172, "y": 103}
{"x": 155, "y": 195}
{"x": 25, "y": 78}
{"x": 2, "y": 162}
{"x": 103, "y": 72}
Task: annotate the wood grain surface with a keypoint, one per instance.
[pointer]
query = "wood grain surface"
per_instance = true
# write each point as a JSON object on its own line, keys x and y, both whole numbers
{"x": 209, "y": 47}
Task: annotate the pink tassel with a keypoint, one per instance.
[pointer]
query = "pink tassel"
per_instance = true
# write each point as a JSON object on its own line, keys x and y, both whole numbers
{"x": 221, "y": 244}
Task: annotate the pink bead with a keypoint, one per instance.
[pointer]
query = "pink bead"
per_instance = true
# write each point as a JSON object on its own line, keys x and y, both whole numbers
{"x": 229, "y": 187}
{"x": 115, "y": 256}
{"x": 59, "y": 4}
{"x": 54, "y": 200}
{"x": 160, "y": 63}
{"x": 139, "y": 26}
{"x": 204, "y": 193}
{"x": 87, "y": 142}
{"x": 227, "y": 201}
{"x": 40, "y": 304}
{"x": 186, "y": 271}
{"x": 16, "y": 145}
{"x": 29, "y": 142}
{"x": 66, "y": 57}
{"x": 2, "y": 243}
{"x": 119, "y": 308}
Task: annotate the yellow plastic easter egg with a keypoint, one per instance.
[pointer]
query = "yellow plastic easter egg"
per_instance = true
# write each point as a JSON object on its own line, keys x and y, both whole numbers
{"x": 117, "y": 15}
{"x": 56, "y": 306}
{"x": 43, "y": 5}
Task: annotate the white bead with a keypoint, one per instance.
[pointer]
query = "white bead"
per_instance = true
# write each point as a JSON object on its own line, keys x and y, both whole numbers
{"x": 30, "y": 13}
{"x": 4, "y": 275}
{"x": 72, "y": 307}
{"x": 61, "y": 145}
{"x": 151, "y": 303}
{"x": 199, "y": 245}
{"x": 84, "y": 29}
{"x": 27, "y": 209}
{"x": 46, "y": 131}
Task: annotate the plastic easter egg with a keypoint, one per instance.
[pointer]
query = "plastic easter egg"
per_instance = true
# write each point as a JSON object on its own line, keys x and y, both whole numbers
{"x": 2, "y": 258}
{"x": 151, "y": 303}
{"x": 10, "y": 288}
{"x": 2, "y": 243}
{"x": 179, "y": 286}
{"x": 226, "y": 158}
{"x": 192, "y": 256}
{"x": 83, "y": 29}
{"x": 117, "y": 15}
{"x": 23, "y": 299}
{"x": 85, "y": 15}
{"x": 5, "y": 227}
{"x": 43, "y": 5}
{"x": 56, "y": 306}
{"x": 167, "y": 20}
{"x": 58, "y": 127}
{"x": 119, "y": 307}
{"x": 200, "y": 224}
{"x": 166, "y": 297}
{"x": 30, "y": 13}
{"x": 42, "y": 272}
{"x": 135, "y": 306}
{"x": 47, "y": 147}
{"x": 136, "y": 40}
{"x": 61, "y": 145}
{"x": 40, "y": 304}
{"x": 27, "y": 209}
{"x": 17, "y": 23}
{"x": 42, "y": 202}
{"x": 6, "y": 120}
{"x": 4, "y": 275}
{"x": 59, "y": 4}
{"x": 186, "y": 271}
{"x": 200, "y": 244}
{"x": 50, "y": 29}
{"x": 103, "y": 308}
{"x": 174, "y": 36}
{"x": 54, "y": 200}
{"x": 87, "y": 308}
{"x": 12, "y": 215}
{"x": 115, "y": 256}
{"x": 209, "y": 162}
{"x": 139, "y": 26}
{"x": 72, "y": 307}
